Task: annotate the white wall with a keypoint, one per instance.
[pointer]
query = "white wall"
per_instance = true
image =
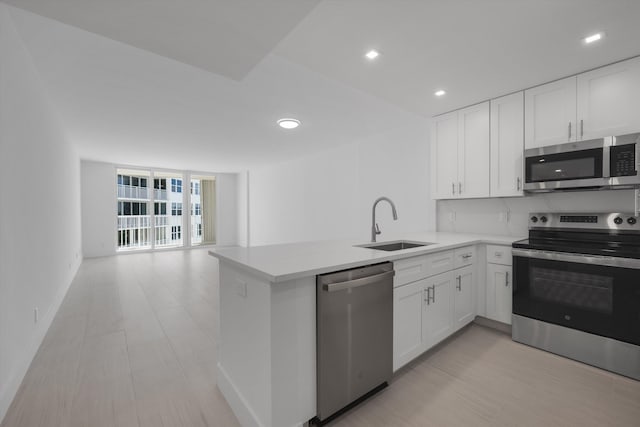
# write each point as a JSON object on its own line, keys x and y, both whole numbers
{"x": 227, "y": 209}
{"x": 330, "y": 195}
{"x": 489, "y": 215}
{"x": 243, "y": 208}
{"x": 98, "y": 208}
{"x": 40, "y": 248}
{"x": 99, "y": 225}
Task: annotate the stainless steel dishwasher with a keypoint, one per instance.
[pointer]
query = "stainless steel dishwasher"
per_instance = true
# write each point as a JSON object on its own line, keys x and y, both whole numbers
{"x": 354, "y": 337}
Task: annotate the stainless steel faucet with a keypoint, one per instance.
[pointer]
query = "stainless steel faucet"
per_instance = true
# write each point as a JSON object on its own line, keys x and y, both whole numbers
{"x": 375, "y": 230}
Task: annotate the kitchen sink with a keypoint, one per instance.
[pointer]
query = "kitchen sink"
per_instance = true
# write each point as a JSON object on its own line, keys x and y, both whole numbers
{"x": 395, "y": 246}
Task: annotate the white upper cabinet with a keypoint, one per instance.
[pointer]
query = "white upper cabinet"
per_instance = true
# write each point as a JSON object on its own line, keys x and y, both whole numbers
{"x": 507, "y": 145}
{"x": 460, "y": 153}
{"x": 609, "y": 100}
{"x": 473, "y": 151}
{"x": 550, "y": 113}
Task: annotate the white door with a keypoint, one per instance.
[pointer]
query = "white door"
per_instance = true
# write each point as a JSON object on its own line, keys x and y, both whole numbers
{"x": 499, "y": 292}
{"x": 463, "y": 296}
{"x": 473, "y": 151}
{"x": 507, "y": 145}
{"x": 550, "y": 114}
{"x": 437, "y": 322}
{"x": 609, "y": 100}
{"x": 408, "y": 302}
{"x": 444, "y": 156}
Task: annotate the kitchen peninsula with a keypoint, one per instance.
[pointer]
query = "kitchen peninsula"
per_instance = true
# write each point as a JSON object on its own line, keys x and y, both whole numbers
{"x": 267, "y": 346}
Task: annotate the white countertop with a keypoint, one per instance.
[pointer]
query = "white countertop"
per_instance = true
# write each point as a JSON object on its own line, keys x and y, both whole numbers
{"x": 279, "y": 263}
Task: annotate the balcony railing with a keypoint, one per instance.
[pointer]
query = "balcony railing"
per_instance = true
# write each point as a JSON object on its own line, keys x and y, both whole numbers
{"x": 133, "y": 221}
{"x": 160, "y": 194}
{"x": 132, "y": 192}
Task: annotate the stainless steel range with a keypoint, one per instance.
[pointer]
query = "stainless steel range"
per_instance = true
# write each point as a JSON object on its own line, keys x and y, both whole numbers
{"x": 576, "y": 288}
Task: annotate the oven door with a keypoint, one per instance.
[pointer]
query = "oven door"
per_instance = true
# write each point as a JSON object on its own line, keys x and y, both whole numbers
{"x": 568, "y": 166}
{"x": 599, "y": 295}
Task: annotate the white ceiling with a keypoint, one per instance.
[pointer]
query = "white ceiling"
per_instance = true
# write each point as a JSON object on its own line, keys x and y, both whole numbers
{"x": 121, "y": 103}
{"x": 474, "y": 49}
{"x": 227, "y": 37}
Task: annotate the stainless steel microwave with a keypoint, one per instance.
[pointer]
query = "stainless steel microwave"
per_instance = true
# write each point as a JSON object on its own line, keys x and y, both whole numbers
{"x": 610, "y": 162}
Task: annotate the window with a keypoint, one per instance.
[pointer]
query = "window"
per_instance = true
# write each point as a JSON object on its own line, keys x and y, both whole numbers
{"x": 195, "y": 188}
{"x": 132, "y": 208}
{"x": 176, "y": 232}
{"x": 160, "y": 208}
{"x": 196, "y": 209}
{"x": 160, "y": 184}
{"x": 176, "y": 185}
{"x": 199, "y": 230}
{"x": 176, "y": 209}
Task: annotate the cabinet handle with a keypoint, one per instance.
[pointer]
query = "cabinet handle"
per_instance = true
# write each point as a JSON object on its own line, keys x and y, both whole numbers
{"x": 426, "y": 295}
{"x": 518, "y": 184}
{"x": 569, "y": 131}
{"x": 453, "y": 188}
{"x": 581, "y": 128}
{"x": 433, "y": 297}
{"x": 459, "y": 286}
{"x": 506, "y": 279}
{"x": 459, "y": 188}
{"x": 466, "y": 256}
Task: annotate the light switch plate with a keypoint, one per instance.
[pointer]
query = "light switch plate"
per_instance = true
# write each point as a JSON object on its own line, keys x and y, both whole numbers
{"x": 241, "y": 288}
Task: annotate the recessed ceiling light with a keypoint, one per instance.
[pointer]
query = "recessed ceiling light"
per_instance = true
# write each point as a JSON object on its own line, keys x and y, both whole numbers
{"x": 593, "y": 38}
{"x": 372, "y": 54}
{"x": 440, "y": 92}
{"x": 289, "y": 123}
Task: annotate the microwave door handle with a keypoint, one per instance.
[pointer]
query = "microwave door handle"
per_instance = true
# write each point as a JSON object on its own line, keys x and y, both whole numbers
{"x": 581, "y": 128}
{"x": 569, "y": 131}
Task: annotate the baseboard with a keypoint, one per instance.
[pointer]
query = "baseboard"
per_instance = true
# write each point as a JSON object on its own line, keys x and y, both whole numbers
{"x": 493, "y": 324}
{"x": 12, "y": 386}
{"x": 237, "y": 402}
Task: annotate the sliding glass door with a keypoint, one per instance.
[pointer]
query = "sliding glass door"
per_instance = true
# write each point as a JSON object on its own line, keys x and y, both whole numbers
{"x": 203, "y": 210}
{"x": 160, "y": 209}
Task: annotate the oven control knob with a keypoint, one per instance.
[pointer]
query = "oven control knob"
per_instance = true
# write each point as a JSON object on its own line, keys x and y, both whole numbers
{"x": 543, "y": 219}
{"x": 617, "y": 220}
{"x": 534, "y": 219}
{"x": 631, "y": 220}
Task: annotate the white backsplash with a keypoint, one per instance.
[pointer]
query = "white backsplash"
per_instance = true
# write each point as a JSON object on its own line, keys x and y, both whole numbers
{"x": 509, "y": 216}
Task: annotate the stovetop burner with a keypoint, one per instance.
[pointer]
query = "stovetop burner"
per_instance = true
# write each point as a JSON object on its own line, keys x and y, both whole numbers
{"x": 606, "y": 234}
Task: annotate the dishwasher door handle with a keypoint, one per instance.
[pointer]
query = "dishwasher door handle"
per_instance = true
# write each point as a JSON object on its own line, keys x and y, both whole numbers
{"x": 333, "y": 287}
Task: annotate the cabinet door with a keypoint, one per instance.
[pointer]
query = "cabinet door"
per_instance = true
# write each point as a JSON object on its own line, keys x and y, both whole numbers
{"x": 473, "y": 151}
{"x": 609, "y": 100}
{"x": 463, "y": 296}
{"x": 437, "y": 322}
{"x": 444, "y": 156}
{"x": 408, "y": 302}
{"x": 550, "y": 114}
{"x": 507, "y": 145}
{"x": 499, "y": 293}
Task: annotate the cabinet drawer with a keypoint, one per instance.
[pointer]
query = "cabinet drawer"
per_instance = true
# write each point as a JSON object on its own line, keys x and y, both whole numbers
{"x": 409, "y": 270}
{"x": 439, "y": 262}
{"x": 464, "y": 256}
{"x": 497, "y": 254}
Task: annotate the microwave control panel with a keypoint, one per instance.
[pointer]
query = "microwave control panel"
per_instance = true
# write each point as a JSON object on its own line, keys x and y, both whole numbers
{"x": 623, "y": 160}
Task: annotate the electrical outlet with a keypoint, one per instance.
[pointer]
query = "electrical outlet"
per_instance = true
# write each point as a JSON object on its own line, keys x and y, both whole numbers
{"x": 36, "y": 315}
{"x": 241, "y": 288}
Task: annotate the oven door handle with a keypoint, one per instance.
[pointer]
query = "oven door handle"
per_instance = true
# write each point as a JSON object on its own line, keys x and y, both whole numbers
{"x": 631, "y": 263}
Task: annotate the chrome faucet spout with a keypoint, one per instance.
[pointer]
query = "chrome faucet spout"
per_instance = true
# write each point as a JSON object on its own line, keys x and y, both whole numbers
{"x": 375, "y": 229}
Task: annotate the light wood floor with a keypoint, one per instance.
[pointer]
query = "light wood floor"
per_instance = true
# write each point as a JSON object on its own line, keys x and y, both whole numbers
{"x": 134, "y": 344}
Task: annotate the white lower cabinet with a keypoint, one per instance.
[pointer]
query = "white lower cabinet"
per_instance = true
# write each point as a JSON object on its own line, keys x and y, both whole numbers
{"x": 408, "y": 301}
{"x": 464, "y": 296}
{"x": 499, "y": 292}
{"x": 428, "y": 310}
{"x": 437, "y": 323}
